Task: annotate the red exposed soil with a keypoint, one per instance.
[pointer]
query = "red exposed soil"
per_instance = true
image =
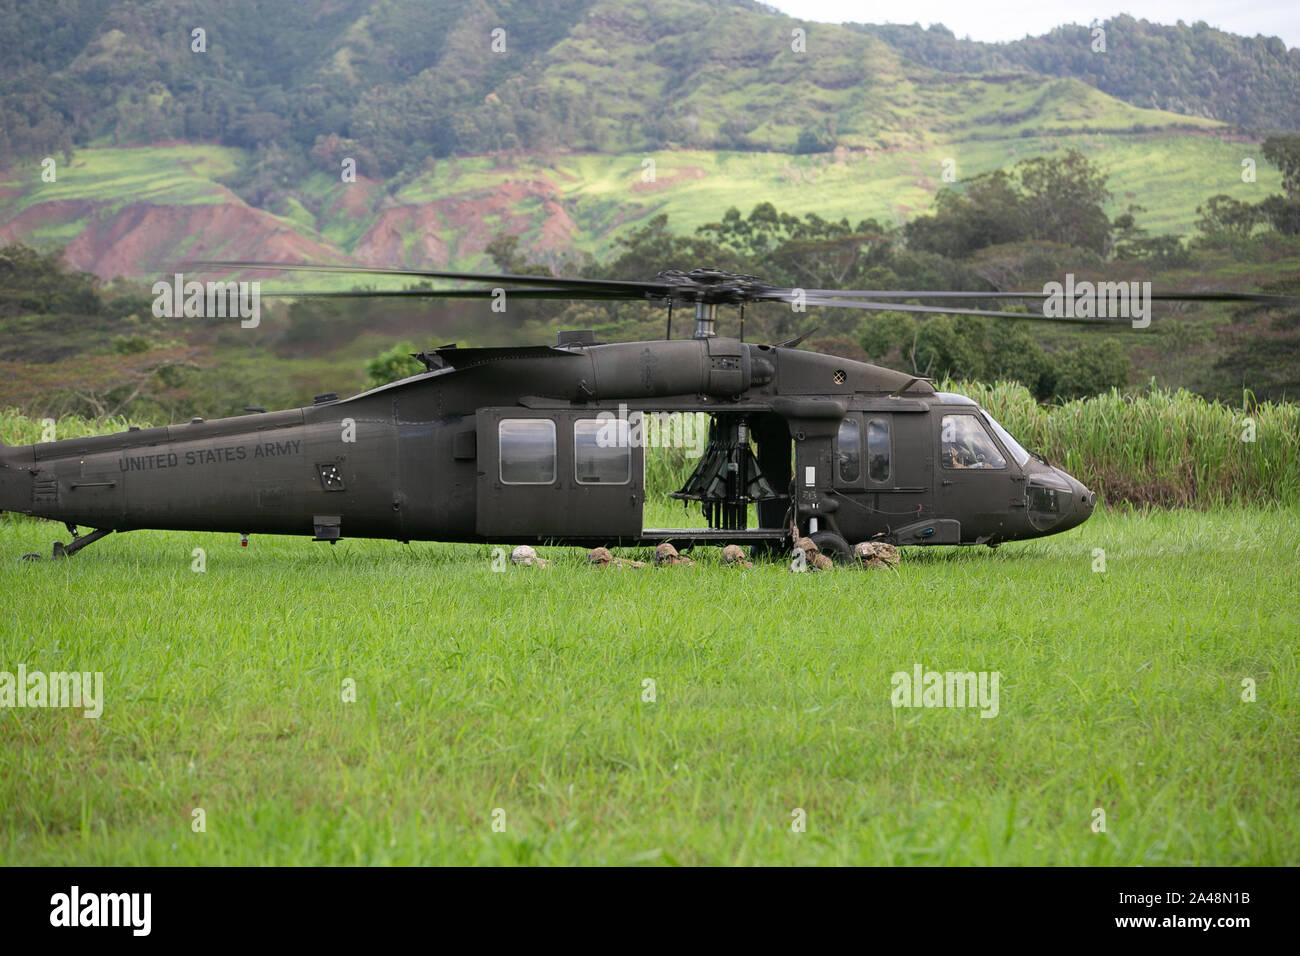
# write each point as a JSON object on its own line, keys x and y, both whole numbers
{"x": 475, "y": 218}
{"x": 44, "y": 214}
{"x": 357, "y": 199}
{"x": 143, "y": 238}
{"x": 384, "y": 243}
{"x": 558, "y": 229}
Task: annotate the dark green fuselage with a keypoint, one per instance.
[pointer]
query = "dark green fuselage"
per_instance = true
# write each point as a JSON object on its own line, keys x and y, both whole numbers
{"x": 419, "y": 459}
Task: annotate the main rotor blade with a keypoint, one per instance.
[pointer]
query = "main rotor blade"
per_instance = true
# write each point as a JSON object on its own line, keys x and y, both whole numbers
{"x": 1271, "y": 299}
{"x": 632, "y": 289}
{"x": 753, "y": 291}
{"x": 449, "y": 294}
{"x": 942, "y": 310}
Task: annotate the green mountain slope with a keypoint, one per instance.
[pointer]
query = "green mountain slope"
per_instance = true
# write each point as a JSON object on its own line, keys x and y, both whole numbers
{"x": 549, "y": 139}
{"x": 395, "y": 81}
{"x": 139, "y": 211}
{"x": 1196, "y": 70}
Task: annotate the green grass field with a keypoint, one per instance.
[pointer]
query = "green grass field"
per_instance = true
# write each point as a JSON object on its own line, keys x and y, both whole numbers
{"x": 523, "y": 691}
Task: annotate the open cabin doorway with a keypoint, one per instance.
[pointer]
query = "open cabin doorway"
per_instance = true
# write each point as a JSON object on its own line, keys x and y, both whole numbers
{"x": 717, "y": 475}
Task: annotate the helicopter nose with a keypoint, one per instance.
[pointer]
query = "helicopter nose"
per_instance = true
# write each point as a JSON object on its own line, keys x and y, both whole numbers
{"x": 1083, "y": 501}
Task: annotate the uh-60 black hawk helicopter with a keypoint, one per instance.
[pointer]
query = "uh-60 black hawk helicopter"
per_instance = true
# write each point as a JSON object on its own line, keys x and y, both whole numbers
{"x": 504, "y": 445}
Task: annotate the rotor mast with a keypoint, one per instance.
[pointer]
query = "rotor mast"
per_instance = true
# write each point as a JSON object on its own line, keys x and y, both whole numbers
{"x": 706, "y": 315}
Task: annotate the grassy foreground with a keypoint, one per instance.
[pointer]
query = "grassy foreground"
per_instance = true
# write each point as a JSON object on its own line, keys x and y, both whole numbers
{"x": 524, "y": 691}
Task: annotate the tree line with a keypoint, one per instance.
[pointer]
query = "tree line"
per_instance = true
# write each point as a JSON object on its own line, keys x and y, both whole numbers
{"x": 1008, "y": 229}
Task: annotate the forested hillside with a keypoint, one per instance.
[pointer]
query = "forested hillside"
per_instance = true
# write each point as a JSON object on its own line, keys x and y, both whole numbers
{"x": 618, "y": 139}
{"x": 1196, "y": 70}
{"x": 133, "y": 129}
{"x": 392, "y": 82}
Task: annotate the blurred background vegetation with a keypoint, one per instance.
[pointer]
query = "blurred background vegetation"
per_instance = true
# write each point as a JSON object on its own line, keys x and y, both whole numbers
{"x": 74, "y": 344}
{"x": 813, "y": 170}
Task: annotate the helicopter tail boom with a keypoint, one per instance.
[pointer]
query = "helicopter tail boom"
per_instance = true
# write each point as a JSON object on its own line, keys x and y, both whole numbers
{"x": 15, "y": 480}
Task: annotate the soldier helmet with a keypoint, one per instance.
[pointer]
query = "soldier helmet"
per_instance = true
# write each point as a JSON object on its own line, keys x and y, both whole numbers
{"x": 734, "y": 554}
{"x": 527, "y": 556}
{"x": 666, "y": 554}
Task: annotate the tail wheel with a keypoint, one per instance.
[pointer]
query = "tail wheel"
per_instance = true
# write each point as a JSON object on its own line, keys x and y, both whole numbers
{"x": 833, "y": 546}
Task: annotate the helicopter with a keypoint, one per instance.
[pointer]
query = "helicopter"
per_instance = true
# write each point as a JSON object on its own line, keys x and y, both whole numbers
{"x": 512, "y": 445}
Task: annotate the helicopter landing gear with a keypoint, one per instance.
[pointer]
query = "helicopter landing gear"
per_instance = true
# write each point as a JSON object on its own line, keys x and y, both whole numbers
{"x": 78, "y": 542}
{"x": 833, "y": 546}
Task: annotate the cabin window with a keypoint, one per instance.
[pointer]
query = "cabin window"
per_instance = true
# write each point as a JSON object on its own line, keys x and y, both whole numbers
{"x": 878, "y": 449}
{"x": 602, "y": 454}
{"x": 850, "y": 450}
{"x": 527, "y": 451}
{"x": 963, "y": 443}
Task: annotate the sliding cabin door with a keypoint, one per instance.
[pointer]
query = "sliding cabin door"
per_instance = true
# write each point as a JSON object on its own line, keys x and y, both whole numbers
{"x": 547, "y": 473}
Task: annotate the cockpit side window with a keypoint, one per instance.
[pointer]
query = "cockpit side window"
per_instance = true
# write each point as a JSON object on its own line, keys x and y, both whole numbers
{"x": 963, "y": 443}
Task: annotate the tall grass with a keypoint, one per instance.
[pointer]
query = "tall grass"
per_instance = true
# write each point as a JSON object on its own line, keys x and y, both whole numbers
{"x": 1158, "y": 447}
{"x": 19, "y": 429}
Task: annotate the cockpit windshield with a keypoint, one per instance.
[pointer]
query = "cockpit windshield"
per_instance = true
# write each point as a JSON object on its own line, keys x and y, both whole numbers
{"x": 1017, "y": 452}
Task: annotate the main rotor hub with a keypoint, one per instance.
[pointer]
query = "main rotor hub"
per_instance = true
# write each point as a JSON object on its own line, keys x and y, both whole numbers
{"x": 711, "y": 286}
